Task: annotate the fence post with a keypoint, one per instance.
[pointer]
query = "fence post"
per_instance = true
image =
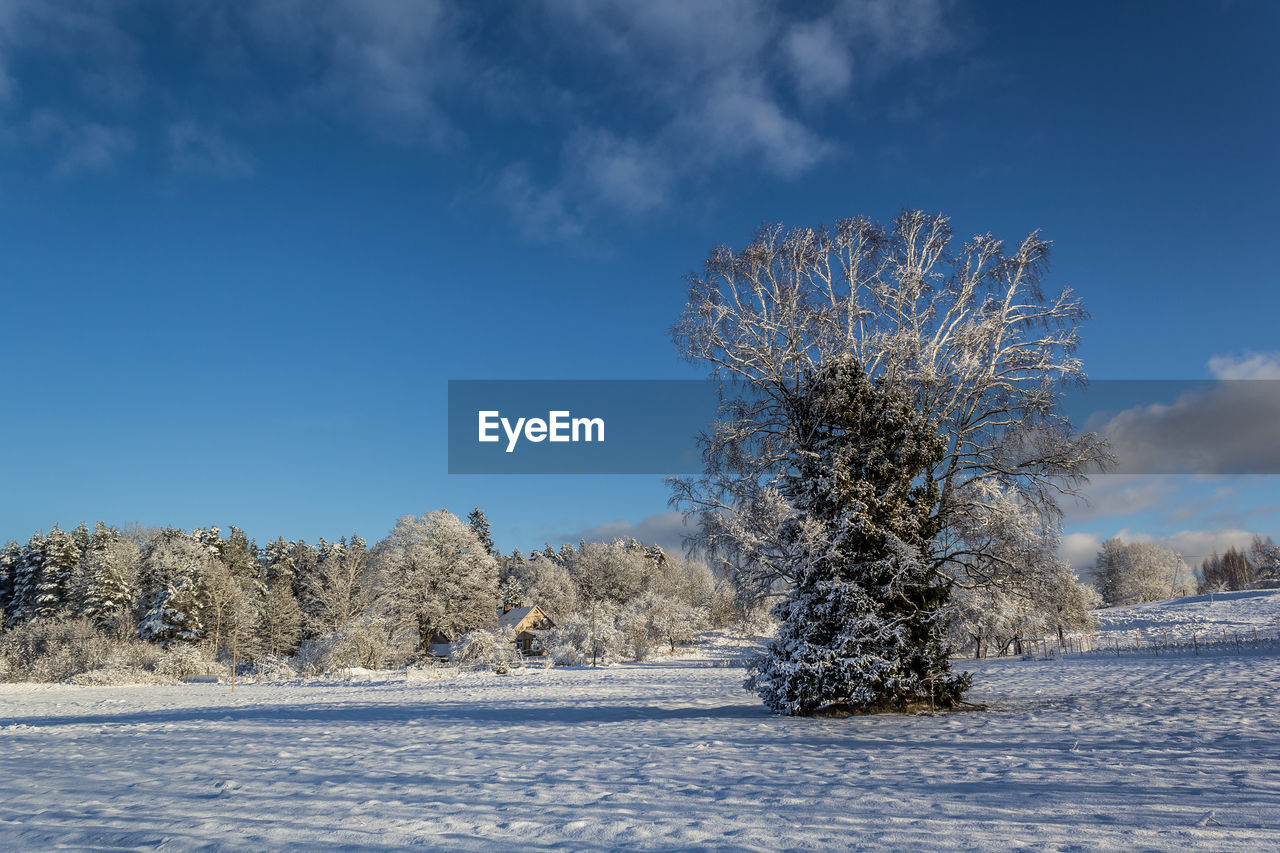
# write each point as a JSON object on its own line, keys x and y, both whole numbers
{"x": 1195, "y": 643}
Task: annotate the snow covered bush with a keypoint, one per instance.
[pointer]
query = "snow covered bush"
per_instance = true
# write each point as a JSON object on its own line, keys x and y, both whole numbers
{"x": 486, "y": 648}
{"x": 272, "y": 668}
{"x": 365, "y": 643}
{"x": 571, "y": 642}
{"x": 113, "y": 676}
{"x": 49, "y": 650}
{"x": 183, "y": 660}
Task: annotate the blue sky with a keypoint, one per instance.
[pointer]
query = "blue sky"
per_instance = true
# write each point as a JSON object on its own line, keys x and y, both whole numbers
{"x": 246, "y": 245}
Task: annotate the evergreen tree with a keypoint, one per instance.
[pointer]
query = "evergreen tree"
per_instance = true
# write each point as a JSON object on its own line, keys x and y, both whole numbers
{"x": 10, "y": 560}
{"x": 175, "y": 614}
{"x": 110, "y": 581}
{"x": 26, "y": 579}
{"x": 53, "y": 590}
{"x": 178, "y": 567}
{"x": 480, "y": 527}
{"x": 863, "y": 626}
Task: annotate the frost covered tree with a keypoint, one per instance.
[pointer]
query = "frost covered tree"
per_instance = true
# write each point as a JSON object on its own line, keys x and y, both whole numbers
{"x": 674, "y": 621}
{"x": 863, "y": 624}
{"x": 479, "y": 525}
{"x": 548, "y": 584}
{"x": 278, "y": 630}
{"x": 338, "y": 591}
{"x": 58, "y": 565}
{"x": 435, "y": 577}
{"x": 110, "y": 582}
{"x": 1018, "y": 586}
{"x": 688, "y": 581}
{"x": 176, "y": 566}
{"x": 966, "y": 330}
{"x": 616, "y": 571}
{"x": 1134, "y": 572}
{"x": 1264, "y": 554}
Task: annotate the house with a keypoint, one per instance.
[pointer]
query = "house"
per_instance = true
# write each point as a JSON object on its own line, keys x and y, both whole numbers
{"x": 529, "y": 624}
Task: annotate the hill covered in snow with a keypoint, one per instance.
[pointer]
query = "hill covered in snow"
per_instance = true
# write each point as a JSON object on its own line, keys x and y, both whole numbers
{"x": 1204, "y": 616}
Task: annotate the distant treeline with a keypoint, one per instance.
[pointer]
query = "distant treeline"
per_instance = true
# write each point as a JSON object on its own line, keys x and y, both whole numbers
{"x": 433, "y": 579}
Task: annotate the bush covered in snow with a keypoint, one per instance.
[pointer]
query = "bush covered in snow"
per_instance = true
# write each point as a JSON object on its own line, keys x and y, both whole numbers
{"x": 571, "y": 642}
{"x": 182, "y": 660}
{"x": 365, "y": 643}
{"x": 272, "y": 668}
{"x": 53, "y": 650}
{"x": 113, "y": 676}
{"x": 483, "y": 647}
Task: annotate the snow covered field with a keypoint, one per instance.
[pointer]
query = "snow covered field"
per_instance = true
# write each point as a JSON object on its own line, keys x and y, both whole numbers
{"x": 1207, "y": 616}
{"x": 1078, "y": 754}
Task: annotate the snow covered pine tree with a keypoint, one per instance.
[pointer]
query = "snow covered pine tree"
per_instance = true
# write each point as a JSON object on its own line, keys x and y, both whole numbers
{"x": 862, "y": 628}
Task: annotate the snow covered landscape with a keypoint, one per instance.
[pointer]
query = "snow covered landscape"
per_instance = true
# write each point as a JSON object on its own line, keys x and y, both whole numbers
{"x": 1083, "y": 753}
{"x": 1243, "y": 613}
{"x": 933, "y": 344}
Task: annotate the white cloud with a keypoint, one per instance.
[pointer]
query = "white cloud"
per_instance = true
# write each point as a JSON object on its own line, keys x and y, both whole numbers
{"x": 1081, "y": 549}
{"x": 389, "y": 62}
{"x": 198, "y": 150}
{"x": 715, "y": 84}
{"x": 819, "y": 60}
{"x": 1110, "y": 495}
{"x": 1210, "y": 428}
{"x": 665, "y": 528}
{"x": 79, "y": 145}
{"x": 1250, "y": 365}
{"x": 541, "y": 213}
{"x": 740, "y": 118}
{"x": 620, "y": 173}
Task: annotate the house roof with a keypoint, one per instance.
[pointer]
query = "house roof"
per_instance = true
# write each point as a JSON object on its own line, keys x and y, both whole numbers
{"x": 516, "y": 616}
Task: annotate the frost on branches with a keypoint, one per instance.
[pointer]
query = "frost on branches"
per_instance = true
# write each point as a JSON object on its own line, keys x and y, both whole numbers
{"x": 862, "y": 627}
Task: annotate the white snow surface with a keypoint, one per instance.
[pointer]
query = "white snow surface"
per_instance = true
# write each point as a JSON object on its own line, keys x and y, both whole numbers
{"x": 1080, "y": 754}
{"x": 1240, "y": 614}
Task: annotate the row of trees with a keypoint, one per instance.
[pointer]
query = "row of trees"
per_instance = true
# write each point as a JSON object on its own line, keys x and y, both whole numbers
{"x": 1135, "y": 572}
{"x": 434, "y": 578}
{"x": 1237, "y": 569}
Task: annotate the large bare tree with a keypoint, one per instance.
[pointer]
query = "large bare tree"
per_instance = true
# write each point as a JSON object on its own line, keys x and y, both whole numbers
{"x": 968, "y": 329}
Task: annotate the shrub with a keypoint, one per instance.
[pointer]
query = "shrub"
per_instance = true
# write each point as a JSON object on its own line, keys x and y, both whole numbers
{"x": 570, "y": 643}
{"x": 361, "y": 644}
{"x": 272, "y": 668}
{"x": 53, "y": 650}
{"x": 483, "y": 647}
{"x": 181, "y": 660}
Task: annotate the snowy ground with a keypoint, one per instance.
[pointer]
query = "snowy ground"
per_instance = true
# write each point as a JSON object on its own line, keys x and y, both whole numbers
{"x": 1207, "y": 616}
{"x": 1089, "y": 753}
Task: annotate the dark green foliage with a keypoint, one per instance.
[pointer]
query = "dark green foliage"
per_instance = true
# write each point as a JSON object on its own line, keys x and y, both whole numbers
{"x": 862, "y": 628}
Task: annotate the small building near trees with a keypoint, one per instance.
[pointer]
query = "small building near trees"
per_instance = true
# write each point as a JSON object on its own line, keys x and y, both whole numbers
{"x": 529, "y": 624}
